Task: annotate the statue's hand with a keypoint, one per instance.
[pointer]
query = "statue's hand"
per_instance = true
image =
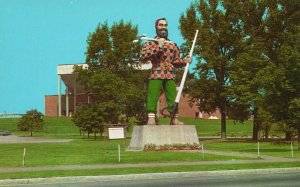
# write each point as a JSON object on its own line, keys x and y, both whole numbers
{"x": 161, "y": 42}
{"x": 187, "y": 59}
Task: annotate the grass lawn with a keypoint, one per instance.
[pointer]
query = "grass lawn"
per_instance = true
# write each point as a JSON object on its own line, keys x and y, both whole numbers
{"x": 91, "y": 152}
{"x": 120, "y": 171}
{"x": 212, "y": 127}
{"x": 83, "y": 150}
{"x": 269, "y": 148}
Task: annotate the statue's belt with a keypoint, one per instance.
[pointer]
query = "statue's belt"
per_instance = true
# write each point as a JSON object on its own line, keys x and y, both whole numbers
{"x": 164, "y": 64}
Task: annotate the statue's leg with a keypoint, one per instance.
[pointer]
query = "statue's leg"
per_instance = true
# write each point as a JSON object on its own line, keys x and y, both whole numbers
{"x": 170, "y": 92}
{"x": 154, "y": 87}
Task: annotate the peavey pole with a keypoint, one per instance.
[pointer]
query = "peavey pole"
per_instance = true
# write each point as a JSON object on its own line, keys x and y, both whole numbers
{"x": 175, "y": 107}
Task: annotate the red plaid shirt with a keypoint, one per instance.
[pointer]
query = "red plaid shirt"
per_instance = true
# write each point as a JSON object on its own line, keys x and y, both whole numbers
{"x": 163, "y": 60}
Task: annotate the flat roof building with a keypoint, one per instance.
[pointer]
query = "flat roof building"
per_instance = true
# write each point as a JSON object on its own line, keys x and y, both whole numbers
{"x": 66, "y": 101}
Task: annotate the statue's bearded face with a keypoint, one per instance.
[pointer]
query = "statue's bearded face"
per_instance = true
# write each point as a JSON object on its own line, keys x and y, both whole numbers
{"x": 162, "y": 29}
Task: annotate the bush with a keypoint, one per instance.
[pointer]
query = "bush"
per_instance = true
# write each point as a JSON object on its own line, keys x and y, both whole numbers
{"x": 33, "y": 119}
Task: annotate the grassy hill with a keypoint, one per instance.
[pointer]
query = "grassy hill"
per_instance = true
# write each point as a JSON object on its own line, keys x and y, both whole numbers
{"x": 64, "y": 127}
{"x": 52, "y": 127}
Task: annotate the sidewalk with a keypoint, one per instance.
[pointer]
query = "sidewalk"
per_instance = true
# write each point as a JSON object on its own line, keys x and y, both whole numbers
{"x": 145, "y": 176}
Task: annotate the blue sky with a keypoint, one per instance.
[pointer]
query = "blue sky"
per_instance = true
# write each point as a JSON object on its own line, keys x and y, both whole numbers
{"x": 37, "y": 35}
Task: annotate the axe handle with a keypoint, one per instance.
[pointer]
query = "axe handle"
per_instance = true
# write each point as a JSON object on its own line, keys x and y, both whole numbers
{"x": 183, "y": 79}
{"x": 153, "y": 39}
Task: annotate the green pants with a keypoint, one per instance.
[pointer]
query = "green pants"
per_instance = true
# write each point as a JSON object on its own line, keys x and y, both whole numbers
{"x": 154, "y": 87}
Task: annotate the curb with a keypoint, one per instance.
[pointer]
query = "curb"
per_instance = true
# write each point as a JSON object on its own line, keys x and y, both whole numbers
{"x": 60, "y": 180}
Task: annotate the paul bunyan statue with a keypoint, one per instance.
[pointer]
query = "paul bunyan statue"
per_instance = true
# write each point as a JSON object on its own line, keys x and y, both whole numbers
{"x": 164, "y": 56}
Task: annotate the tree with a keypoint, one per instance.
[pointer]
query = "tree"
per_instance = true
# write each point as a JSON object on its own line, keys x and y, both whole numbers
{"x": 30, "y": 121}
{"x": 281, "y": 40}
{"x": 91, "y": 118}
{"x": 247, "y": 85}
{"x": 112, "y": 80}
{"x": 247, "y": 71}
{"x": 261, "y": 79}
{"x": 293, "y": 77}
{"x": 220, "y": 33}
{"x": 283, "y": 92}
{"x": 294, "y": 116}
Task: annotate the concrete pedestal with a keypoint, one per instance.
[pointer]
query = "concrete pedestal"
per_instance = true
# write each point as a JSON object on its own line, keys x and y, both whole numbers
{"x": 161, "y": 135}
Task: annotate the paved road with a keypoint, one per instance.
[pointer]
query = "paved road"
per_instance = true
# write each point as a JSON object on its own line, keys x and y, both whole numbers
{"x": 218, "y": 179}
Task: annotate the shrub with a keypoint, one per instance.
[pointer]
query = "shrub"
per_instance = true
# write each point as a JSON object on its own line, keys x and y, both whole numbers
{"x": 33, "y": 119}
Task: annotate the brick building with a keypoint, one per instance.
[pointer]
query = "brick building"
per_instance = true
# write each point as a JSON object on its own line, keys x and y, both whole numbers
{"x": 64, "y": 104}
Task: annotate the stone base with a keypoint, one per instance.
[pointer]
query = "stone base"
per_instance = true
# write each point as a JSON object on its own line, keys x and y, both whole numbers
{"x": 161, "y": 135}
